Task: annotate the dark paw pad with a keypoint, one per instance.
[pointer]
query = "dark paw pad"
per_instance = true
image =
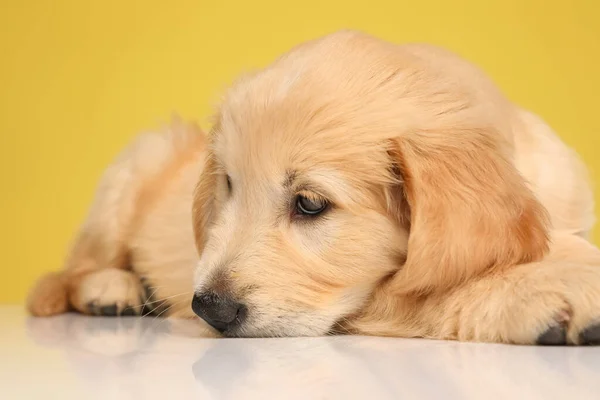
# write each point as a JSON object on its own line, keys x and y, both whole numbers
{"x": 129, "y": 312}
{"x": 109, "y": 311}
{"x": 590, "y": 335}
{"x": 554, "y": 336}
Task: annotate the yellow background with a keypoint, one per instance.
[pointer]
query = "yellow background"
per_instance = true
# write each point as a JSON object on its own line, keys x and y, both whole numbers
{"x": 79, "y": 78}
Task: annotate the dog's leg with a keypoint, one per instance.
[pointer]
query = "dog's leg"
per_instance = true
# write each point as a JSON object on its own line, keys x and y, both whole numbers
{"x": 93, "y": 282}
{"x": 97, "y": 278}
{"x": 553, "y": 302}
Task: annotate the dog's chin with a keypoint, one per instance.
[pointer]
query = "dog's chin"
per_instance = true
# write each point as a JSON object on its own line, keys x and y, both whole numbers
{"x": 280, "y": 329}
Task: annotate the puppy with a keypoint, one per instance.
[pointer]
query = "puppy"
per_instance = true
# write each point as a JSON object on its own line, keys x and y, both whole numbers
{"x": 353, "y": 186}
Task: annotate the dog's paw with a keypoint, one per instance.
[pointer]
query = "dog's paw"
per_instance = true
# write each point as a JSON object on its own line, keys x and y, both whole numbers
{"x": 578, "y": 321}
{"x": 110, "y": 292}
{"x": 558, "y": 335}
{"x": 552, "y": 304}
{"x": 590, "y": 335}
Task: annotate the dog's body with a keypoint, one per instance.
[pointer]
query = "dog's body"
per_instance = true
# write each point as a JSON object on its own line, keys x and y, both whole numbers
{"x": 435, "y": 195}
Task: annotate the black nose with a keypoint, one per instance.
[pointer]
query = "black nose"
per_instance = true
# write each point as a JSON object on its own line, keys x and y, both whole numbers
{"x": 220, "y": 312}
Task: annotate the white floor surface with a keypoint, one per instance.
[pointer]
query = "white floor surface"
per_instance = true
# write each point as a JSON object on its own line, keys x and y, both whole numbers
{"x": 77, "y": 357}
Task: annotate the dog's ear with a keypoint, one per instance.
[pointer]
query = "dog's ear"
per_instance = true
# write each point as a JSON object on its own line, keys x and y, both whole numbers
{"x": 470, "y": 209}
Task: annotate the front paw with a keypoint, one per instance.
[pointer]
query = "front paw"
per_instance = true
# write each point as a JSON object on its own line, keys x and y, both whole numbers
{"x": 544, "y": 304}
{"x": 109, "y": 292}
{"x": 558, "y": 335}
{"x": 577, "y": 322}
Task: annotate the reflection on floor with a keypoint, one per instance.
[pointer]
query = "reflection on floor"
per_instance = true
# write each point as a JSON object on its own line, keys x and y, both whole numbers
{"x": 77, "y": 357}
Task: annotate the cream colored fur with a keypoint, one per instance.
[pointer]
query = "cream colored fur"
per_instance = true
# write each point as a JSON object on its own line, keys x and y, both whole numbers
{"x": 454, "y": 214}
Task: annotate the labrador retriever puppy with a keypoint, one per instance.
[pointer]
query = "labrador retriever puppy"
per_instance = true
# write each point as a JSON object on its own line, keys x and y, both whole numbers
{"x": 353, "y": 186}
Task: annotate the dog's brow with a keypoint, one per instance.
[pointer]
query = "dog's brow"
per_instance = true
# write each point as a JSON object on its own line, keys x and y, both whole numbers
{"x": 290, "y": 182}
{"x": 290, "y": 177}
{"x": 295, "y": 181}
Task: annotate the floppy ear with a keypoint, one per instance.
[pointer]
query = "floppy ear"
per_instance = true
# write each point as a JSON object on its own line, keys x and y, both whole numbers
{"x": 470, "y": 209}
{"x": 203, "y": 201}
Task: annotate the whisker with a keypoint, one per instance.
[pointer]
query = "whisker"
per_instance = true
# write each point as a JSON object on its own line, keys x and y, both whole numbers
{"x": 147, "y": 302}
{"x": 163, "y": 311}
{"x": 166, "y": 298}
{"x": 150, "y": 311}
{"x": 149, "y": 296}
{"x": 168, "y": 308}
{"x": 338, "y": 327}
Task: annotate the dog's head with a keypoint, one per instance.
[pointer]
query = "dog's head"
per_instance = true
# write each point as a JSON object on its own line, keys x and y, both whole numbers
{"x": 348, "y": 164}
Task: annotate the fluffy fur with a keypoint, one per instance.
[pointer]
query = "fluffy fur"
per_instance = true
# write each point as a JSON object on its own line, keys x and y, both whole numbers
{"x": 454, "y": 214}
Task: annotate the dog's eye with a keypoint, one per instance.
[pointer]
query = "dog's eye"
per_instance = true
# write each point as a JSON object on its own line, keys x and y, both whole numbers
{"x": 228, "y": 183}
{"x": 310, "y": 207}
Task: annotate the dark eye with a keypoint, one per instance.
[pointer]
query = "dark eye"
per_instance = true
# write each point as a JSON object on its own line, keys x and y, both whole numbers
{"x": 228, "y": 183}
{"x": 311, "y": 207}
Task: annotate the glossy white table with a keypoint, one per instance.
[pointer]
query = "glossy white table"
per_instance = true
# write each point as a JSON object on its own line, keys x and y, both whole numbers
{"x": 76, "y": 357}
